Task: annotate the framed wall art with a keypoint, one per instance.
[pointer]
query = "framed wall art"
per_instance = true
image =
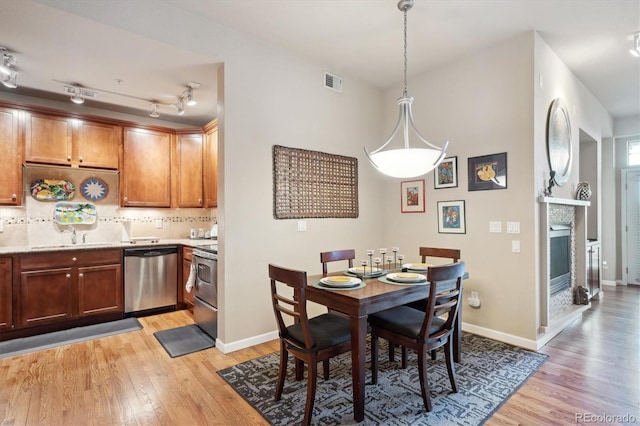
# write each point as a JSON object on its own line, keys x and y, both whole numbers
{"x": 446, "y": 174}
{"x": 412, "y": 196}
{"x": 488, "y": 172}
{"x": 451, "y": 217}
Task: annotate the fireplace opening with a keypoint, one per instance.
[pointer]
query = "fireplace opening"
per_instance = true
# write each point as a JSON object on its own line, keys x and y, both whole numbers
{"x": 559, "y": 258}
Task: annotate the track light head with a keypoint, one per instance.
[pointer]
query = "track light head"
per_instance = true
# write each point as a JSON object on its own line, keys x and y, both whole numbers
{"x": 8, "y": 73}
{"x": 154, "y": 113}
{"x": 179, "y": 106}
{"x": 635, "y": 50}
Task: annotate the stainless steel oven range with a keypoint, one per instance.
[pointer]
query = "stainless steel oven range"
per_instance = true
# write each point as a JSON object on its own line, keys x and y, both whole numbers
{"x": 205, "y": 308}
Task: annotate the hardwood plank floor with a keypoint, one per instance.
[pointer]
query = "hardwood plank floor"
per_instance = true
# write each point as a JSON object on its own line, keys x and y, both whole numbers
{"x": 593, "y": 370}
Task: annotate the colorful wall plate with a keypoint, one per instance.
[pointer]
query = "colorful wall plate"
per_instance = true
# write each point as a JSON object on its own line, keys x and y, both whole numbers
{"x": 94, "y": 189}
{"x": 52, "y": 190}
{"x": 75, "y": 213}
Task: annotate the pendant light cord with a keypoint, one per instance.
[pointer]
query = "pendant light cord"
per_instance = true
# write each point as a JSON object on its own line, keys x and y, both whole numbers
{"x": 405, "y": 52}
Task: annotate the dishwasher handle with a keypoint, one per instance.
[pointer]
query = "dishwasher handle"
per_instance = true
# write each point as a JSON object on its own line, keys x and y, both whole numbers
{"x": 151, "y": 251}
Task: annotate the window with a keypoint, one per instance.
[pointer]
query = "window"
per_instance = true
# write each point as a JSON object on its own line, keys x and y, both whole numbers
{"x": 633, "y": 153}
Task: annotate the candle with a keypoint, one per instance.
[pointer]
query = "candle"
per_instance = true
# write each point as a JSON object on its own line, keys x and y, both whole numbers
{"x": 395, "y": 249}
{"x": 369, "y": 252}
{"x": 383, "y": 251}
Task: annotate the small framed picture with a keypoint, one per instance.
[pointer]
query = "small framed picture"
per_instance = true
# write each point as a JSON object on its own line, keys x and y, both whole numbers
{"x": 412, "y": 196}
{"x": 451, "y": 217}
{"x": 488, "y": 172}
{"x": 446, "y": 174}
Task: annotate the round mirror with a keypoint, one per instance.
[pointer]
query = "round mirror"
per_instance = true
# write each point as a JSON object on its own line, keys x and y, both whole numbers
{"x": 559, "y": 141}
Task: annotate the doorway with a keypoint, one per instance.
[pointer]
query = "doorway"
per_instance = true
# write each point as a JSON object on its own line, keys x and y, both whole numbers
{"x": 630, "y": 204}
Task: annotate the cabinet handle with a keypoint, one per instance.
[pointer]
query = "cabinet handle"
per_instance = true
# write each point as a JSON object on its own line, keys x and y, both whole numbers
{"x": 126, "y": 199}
{"x": 68, "y": 275}
{"x": 14, "y": 197}
{"x": 68, "y": 158}
{"x": 81, "y": 275}
{"x": 200, "y": 201}
{"x": 73, "y": 259}
{"x": 80, "y": 159}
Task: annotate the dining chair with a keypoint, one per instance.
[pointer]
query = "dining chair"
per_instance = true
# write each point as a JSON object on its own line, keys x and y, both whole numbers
{"x": 336, "y": 255}
{"x": 425, "y": 252}
{"x": 423, "y": 331}
{"x": 309, "y": 340}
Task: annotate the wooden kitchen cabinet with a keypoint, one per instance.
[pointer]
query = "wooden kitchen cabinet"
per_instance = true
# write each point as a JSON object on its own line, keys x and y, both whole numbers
{"x": 145, "y": 180}
{"x": 64, "y": 141}
{"x": 6, "y": 298}
{"x": 10, "y": 157}
{"x": 593, "y": 268}
{"x": 190, "y": 174}
{"x": 59, "y": 286}
{"x": 187, "y": 258}
{"x": 210, "y": 164}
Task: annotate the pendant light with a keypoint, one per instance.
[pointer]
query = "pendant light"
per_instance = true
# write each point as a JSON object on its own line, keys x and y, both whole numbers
{"x": 406, "y": 162}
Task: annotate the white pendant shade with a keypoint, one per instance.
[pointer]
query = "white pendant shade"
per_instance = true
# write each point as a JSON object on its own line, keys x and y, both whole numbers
{"x": 406, "y": 162}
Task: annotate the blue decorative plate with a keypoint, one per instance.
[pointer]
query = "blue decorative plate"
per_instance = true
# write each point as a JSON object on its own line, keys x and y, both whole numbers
{"x": 94, "y": 189}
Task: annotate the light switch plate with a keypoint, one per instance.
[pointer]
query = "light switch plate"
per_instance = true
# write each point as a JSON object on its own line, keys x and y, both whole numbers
{"x": 513, "y": 227}
{"x": 495, "y": 227}
{"x": 302, "y": 225}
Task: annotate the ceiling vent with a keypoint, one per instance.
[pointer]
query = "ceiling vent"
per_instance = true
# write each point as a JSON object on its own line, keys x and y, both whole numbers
{"x": 333, "y": 82}
{"x": 69, "y": 90}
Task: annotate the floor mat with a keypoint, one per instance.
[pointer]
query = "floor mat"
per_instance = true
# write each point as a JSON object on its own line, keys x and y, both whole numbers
{"x": 184, "y": 340}
{"x": 65, "y": 337}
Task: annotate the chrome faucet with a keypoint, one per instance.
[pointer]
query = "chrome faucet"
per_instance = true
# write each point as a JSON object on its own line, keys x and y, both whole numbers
{"x": 74, "y": 237}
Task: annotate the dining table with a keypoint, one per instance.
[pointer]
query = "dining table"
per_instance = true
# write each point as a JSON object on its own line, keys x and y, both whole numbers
{"x": 358, "y": 303}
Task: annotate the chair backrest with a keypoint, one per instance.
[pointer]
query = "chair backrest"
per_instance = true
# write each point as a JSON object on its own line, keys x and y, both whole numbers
{"x": 445, "y": 295}
{"x": 453, "y": 254}
{"x": 293, "y": 307}
{"x": 333, "y": 256}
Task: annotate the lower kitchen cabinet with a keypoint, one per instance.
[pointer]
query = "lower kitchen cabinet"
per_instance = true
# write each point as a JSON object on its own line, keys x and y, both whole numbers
{"x": 593, "y": 268}
{"x": 187, "y": 257}
{"x": 6, "y": 272}
{"x": 60, "y": 286}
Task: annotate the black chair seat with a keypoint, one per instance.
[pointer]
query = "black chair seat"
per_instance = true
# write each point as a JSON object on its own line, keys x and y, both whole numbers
{"x": 327, "y": 329}
{"x": 404, "y": 320}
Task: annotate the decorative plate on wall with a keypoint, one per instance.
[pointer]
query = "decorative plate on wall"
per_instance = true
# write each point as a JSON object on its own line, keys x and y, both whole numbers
{"x": 94, "y": 189}
{"x": 75, "y": 213}
{"x": 52, "y": 190}
{"x": 559, "y": 141}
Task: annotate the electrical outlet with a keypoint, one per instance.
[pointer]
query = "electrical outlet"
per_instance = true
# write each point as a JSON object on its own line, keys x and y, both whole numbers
{"x": 302, "y": 225}
{"x": 515, "y": 246}
{"x": 1, "y": 225}
{"x": 158, "y": 223}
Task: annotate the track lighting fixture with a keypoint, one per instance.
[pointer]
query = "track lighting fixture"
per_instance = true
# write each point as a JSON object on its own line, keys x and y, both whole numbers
{"x": 77, "y": 97}
{"x": 154, "y": 113}
{"x": 8, "y": 73}
{"x": 179, "y": 106}
{"x": 635, "y": 50}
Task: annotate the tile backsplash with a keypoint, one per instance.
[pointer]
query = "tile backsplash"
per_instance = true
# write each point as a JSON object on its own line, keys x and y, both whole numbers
{"x": 33, "y": 224}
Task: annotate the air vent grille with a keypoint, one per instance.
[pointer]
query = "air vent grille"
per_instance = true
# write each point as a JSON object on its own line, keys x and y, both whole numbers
{"x": 333, "y": 82}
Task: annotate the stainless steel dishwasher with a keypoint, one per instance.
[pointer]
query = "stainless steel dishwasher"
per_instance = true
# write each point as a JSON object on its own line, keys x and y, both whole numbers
{"x": 150, "y": 278}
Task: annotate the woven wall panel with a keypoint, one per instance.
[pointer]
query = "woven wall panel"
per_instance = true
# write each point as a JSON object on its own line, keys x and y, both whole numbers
{"x": 312, "y": 184}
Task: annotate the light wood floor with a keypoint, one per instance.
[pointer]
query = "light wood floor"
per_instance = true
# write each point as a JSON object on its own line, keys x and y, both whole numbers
{"x": 129, "y": 378}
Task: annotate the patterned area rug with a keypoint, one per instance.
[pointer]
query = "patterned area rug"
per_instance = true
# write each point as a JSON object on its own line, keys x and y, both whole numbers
{"x": 490, "y": 372}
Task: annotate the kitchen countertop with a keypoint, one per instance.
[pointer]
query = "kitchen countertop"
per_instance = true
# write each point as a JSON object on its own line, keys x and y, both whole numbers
{"x": 8, "y": 250}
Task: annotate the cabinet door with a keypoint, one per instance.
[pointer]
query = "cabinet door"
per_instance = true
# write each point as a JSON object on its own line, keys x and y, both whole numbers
{"x": 210, "y": 166}
{"x": 97, "y": 145}
{"x": 10, "y": 158}
{"x": 594, "y": 270}
{"x": 146, "y": 171}
{"x": 186, "y": 269}
{"x": 100, "y": 290}
{"x": 6, "y": 271}
{"x": 189, "y": 150}
{"x": 48, "y": 139}
{"x": 46, "y": 296}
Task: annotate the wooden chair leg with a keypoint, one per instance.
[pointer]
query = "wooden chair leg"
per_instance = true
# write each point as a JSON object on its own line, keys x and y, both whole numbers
{"x": 424, "y": 384}
{"x": 448, "y": 348}
{"x": 325, "y": 369}
{"x": 433, "y": 355}
{"x": 312, "y": 376}
{"x": 374, "y": 359}
{"x": 282, "y": 372}
{"x": 392, "y": 351}
{"x": 299, "y": 369}
{"x": 404, "y": 357}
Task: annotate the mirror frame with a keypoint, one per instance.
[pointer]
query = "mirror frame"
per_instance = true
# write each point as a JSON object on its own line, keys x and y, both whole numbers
{"x": 559, "y": 141}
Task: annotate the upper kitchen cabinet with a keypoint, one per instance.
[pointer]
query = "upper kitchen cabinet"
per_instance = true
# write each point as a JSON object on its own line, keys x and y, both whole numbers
{"x": 145, "y": 179}
{"x": 210, "y": 164}
{"x": 190, "y": 174}
{"x": 60, "y": 140}
{"x": 10, "y": 157}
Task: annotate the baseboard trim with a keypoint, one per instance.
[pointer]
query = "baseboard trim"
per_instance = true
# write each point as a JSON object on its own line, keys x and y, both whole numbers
{"x": 500, "y": 336}
{"x": 226, "y": 348}
{"x": 607, "y": 282}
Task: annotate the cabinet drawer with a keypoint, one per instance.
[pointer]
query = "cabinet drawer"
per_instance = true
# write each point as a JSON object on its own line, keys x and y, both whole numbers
{"x": 70, "y": 258}
{"x": 187, "y": 253}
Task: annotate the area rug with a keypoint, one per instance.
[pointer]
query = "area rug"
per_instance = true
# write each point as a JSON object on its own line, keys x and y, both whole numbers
{"x": 66, "y": 337}
{"x": 489, "y": 373}
{"x": 184, "y": 340}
